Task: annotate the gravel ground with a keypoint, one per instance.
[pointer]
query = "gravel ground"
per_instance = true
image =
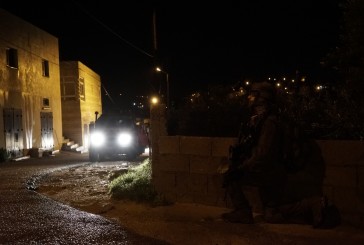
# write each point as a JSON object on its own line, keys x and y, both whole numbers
{"x": 86, "y": 188}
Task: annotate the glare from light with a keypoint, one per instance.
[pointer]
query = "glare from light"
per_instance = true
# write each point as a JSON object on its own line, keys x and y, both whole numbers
{"x": 319, "y": 87}
{"x": 124, "y": 139}
{"x": 97, "y": 139}
{"x": 154, "y": 100}
{"x": 147, "y": 151}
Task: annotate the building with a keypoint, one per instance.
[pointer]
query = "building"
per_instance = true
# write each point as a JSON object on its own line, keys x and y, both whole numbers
{"x": 81, "y": 98}
{"x": 30, "y": 96}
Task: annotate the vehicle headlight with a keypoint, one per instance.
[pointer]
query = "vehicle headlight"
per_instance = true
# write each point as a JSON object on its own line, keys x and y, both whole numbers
{"x": 97, "y": 139}
{"x": 124, "y": 139}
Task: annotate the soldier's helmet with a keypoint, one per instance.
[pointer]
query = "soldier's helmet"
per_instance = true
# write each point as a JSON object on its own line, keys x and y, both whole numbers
{"x": 264, "y": 92}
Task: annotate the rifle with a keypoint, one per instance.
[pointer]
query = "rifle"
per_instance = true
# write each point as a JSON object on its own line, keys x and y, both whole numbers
{"x": 247, "y": 139}
{"x": 237, "y": 154}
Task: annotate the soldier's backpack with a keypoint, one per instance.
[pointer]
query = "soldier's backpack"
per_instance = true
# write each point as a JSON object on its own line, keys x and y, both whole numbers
{"x": 296, "y": 146}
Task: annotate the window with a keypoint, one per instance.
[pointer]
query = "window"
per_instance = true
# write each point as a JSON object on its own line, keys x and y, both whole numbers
{"x": 45, "y": 68}
{"x": 45, "y": 102}
{"x": 82, "y": 88}
{"x": 68, "y": 88}
{"x": 12, "y": 58}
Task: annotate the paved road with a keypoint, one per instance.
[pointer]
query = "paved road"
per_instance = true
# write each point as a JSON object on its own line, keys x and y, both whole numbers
{"x": 27, "y": 217}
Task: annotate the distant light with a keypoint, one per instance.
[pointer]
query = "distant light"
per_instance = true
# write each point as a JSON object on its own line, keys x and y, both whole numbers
{"x": 278, "y": 84}
{"x": 154, "y": 100}
{"x": 319, "y": 87}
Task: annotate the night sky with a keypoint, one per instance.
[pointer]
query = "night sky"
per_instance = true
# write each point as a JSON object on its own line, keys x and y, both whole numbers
{"x": 198, "y": 44}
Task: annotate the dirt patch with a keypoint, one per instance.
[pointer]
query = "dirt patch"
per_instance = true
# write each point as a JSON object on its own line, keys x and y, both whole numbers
{"x": 86, "y": 188}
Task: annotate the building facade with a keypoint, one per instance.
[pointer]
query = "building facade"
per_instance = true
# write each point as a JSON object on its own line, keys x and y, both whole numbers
{"x": 81, "y": 98}
{"x": 30, "y": 97}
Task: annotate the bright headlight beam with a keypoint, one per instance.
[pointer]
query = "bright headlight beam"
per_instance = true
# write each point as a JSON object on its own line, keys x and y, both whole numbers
{"x": 97, "y": 139}
{"x": 124, "y": 139}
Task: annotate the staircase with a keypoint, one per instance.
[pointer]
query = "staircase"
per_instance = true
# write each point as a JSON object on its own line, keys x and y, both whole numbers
{"x": 69, "y": 145}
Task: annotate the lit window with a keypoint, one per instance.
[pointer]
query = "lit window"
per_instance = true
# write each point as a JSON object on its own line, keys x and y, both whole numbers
{"x": 82, "y": 88}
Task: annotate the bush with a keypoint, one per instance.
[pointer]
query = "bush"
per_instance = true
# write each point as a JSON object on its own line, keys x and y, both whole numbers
{"x": 135, "y": 185}
{"x": 4, "y": 155}
{"x": 217, "y": 113}
{"x": 329, "y": 114}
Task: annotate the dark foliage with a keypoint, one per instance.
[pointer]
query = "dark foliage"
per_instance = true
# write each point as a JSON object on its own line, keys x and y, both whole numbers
{"x": 324, "y": 113}
{"x": 4, "y": 155}
{"x": 217, "y": 113}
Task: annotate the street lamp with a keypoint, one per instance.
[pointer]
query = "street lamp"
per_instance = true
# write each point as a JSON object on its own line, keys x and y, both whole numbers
{"x": 154, "y": 100}
{"x": 158, "y": 69}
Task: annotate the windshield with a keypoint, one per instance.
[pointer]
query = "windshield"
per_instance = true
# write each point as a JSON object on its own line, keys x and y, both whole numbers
{"x": 115, "y": 121}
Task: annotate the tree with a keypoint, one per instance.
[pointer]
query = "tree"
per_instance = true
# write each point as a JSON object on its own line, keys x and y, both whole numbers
{"x": 348, "y": 57}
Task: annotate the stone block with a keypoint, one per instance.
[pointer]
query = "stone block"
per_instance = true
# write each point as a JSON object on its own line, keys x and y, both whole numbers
{"x": 352, "y": 219}
{"x": 174, "y": 163}
{"x": 342, "y": 152}
{"x": 182, "y": 180}
{"x": 199, "y": 146}
{"x": 183, "y": 197}
{"x": 220, "y": 146}
{"x": 165, "y": 181}
{"x": 346, "y": 199}
{"x": 198, "y": 183}
{"x": 341, "y": 176}
{"x": 169, "y": 144}
{"x": 204, "y": 165}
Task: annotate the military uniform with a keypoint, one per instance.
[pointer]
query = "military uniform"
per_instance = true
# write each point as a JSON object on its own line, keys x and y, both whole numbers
{"x": 263, "y": 166}
{"x": 285, "y": 197}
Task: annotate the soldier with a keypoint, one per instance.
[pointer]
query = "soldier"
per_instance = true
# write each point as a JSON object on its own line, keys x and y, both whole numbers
{"x": 260, "y": 163}
{"x": 258, "y": 160}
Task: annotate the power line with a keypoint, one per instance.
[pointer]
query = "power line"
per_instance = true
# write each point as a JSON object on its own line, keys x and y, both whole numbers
{"x": 107, "y": 94}
{"x": 113, "y": 32}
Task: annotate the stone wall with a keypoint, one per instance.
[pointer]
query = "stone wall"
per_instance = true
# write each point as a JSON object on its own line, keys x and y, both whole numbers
{"x": 185, "y": 169}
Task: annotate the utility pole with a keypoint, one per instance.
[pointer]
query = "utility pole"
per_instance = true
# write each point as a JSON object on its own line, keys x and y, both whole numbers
{"x": 155, "y": 32}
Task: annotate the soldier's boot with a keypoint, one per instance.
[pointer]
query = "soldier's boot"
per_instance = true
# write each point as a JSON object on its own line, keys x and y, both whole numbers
{"x": 273, "y": 215}
{"x": 307, "y": 210}
{"x": 316, "y": 206}
{"x": 244, "y": 216}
